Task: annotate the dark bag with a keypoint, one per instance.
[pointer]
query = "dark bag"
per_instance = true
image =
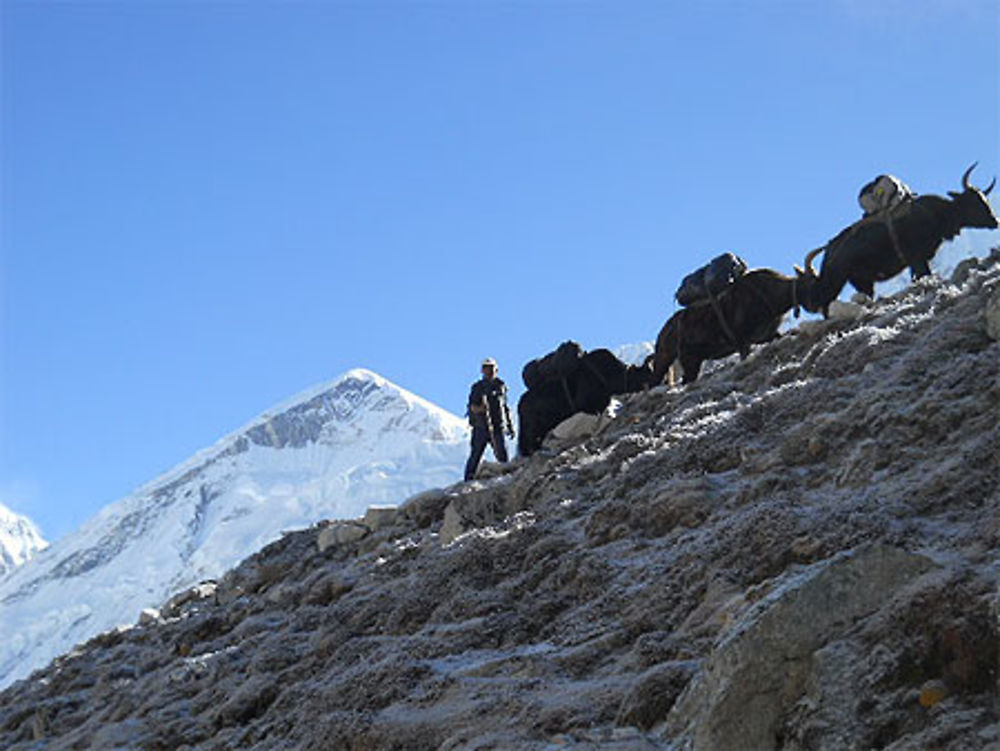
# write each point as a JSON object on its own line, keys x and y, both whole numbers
{"x": 554, "y": 366}
{"x": 710, "y": 279}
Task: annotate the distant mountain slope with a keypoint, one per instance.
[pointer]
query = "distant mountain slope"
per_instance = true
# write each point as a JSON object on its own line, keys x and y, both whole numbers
{"x": 329, "y": 452}
{"x": 19, "y": 540}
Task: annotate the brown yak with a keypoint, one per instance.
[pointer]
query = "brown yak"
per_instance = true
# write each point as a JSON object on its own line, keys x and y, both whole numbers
{"x": 747, "y": 312}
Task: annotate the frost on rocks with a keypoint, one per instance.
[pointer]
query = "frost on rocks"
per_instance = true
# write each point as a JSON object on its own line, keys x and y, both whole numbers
{"x": 797, "y": 552}
{"x": 993, "y": 316}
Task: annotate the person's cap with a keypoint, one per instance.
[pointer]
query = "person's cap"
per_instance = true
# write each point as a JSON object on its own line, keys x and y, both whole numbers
{"x": 489, "y": 362}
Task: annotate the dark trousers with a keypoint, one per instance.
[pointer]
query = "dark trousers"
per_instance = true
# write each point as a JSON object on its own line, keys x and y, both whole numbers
{"x": 480, "y": 440}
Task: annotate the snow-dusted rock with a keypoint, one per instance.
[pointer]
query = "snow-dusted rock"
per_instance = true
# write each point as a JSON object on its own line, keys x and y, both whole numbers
{"x": 849, "y": 310}
{"x": 201, "y": 591}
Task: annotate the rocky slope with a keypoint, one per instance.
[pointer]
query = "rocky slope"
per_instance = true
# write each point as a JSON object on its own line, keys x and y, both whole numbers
{"x": 327, "y": 452}
{"x": 797, "y": 552}
{"x": 19, "y": 540}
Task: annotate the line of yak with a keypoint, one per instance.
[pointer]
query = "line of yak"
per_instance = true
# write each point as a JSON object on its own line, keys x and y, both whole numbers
{"x": 750, "y": 310}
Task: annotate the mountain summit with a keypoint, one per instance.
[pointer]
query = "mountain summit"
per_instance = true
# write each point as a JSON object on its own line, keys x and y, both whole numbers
{"x": 328, "y": 452}
{"x": 19, "y": 540}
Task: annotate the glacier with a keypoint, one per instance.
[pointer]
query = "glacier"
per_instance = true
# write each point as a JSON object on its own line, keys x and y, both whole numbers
{"x": 329, "y": 452}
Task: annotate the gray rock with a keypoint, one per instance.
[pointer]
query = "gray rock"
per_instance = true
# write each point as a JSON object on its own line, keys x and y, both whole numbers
{"x": 760, "y": 669}
{"x": 993, "y": 315}
{"x": 424, "y": 509}
{"x": 380, "y": 517}
{"x": 489, "y": 470}
{"x": 654, "y": 693}
{"x": 173, "y": 607}
{"x": 849, "y": 310}
{"x": 963, "y": 270}
{"x": 577, "y": 427}
{"x": 340, "y": 533}
{"x": 479, "y": 508}
{"x": 453, "y": 525}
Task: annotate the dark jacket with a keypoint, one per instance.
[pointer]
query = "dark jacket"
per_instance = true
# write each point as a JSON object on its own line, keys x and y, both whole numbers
{"x": 494, "y": 393}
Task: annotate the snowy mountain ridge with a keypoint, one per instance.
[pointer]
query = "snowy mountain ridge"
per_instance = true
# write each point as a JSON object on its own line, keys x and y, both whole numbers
{"x": 19, "y": 540}
{"x": 330, "y": 451}
{"x": 298, "y": 402}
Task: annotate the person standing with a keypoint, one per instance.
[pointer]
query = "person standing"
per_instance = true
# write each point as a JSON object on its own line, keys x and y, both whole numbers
{"x": 489, "y": 417}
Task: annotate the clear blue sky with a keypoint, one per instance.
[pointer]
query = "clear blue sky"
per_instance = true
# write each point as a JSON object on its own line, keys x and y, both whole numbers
{"x": 208, "y": 207}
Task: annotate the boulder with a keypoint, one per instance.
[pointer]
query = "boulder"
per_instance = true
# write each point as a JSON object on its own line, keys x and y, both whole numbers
{"x": 963, "y": 270}
{"x": 172, "y": 607}
{"x": 425, "y": 508}
{"x": 380, "y": 517}
{"x": 453, "y": 525}
{"x": 654, "y": 692}
{"x": 340, "y": 533}
{"x": 478, "y": 510}
{"x": 760, "y": 668}
{"x": 849, "y": 310}
{"x": 489, "y": 470}
{"x": 577, "y": 427}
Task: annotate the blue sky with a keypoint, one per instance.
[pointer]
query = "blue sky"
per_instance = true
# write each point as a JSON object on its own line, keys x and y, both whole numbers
{"x": 208, "y": 207}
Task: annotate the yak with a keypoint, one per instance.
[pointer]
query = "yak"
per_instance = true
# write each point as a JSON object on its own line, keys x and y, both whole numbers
{"x": 747, "y": 312}
{"x": 587, "y": 387}
{"x": 874, "y": 250}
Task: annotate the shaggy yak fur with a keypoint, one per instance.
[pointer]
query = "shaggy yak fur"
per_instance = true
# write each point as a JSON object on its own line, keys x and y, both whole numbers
{"x": 866, "y": 253}
{"x": 588, "y": 387}
{"x": 751, "y": 310}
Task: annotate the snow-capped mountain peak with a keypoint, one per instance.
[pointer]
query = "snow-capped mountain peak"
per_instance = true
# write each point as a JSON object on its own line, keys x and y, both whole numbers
{"x": 328, "y": 452}
{"x": 19, "y": 540}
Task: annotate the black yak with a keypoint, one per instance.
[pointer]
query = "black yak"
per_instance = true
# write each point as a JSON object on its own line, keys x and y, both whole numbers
{"x": 586, "y": 386}
{"x": 748, "y": 312}
{"x": 866, "y": 252}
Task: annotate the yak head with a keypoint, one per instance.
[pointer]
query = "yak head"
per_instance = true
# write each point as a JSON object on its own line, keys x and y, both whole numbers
{"x": 806, "y": 285}
{"x": 972, "y": 208}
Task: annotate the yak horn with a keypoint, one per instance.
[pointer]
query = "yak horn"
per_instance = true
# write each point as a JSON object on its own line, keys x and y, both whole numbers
{"x": 809, "y": 259}
{"x": 988, "y": 188}
{"x": 965, "y": 177}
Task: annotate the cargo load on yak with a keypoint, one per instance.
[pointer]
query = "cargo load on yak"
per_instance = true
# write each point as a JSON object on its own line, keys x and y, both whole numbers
{"x": 884, "y": 193}
{"x": 553, "y": 366}
{"x": 885, "y": 199}
{"x": 710, "y": 280}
